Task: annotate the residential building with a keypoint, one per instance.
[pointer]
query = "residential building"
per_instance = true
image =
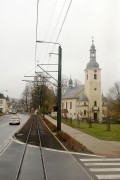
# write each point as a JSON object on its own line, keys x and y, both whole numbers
{"x": 3, "y": 103}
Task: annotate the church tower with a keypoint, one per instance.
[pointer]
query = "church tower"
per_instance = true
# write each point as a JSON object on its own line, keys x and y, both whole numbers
{"x": 93, "y": 85}
{"x": 70, "y": 83}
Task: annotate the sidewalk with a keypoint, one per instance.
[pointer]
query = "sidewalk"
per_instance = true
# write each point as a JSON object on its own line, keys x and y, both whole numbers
{"x": 97, "y": 146}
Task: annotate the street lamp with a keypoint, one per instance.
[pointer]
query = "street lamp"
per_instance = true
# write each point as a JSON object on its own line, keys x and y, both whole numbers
{"x": 59, "y": 83}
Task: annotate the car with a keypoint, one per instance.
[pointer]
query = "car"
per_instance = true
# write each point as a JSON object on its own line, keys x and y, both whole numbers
{"x": 14, "y": 119}
{"x": 14, "y": 111}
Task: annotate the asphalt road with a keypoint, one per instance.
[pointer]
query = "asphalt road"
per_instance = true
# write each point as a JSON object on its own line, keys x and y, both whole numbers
{"x": 7, "y": 131}
{"x": 59, "y": 165}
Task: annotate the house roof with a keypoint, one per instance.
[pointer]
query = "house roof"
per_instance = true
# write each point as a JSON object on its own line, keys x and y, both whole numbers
{"x": 72, "y": 92}
{"x": 2, "y": 96}
{"x": 83, "y": 98}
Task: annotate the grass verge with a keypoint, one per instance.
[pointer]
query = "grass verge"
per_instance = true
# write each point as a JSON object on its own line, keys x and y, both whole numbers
{"x": 97, "y": 130}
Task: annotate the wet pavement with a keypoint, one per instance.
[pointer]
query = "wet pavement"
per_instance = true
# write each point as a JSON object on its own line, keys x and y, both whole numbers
{"x": 59, "y": 165}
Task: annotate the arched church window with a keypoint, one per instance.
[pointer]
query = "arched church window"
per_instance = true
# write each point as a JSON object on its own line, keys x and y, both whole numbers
{"x": 95, "y": 76}
{"x": 87, "y": 76}
{"x": 95, "y": 103}
{"x": 84, "y": 112}
{"x": 66, "y": 105}
{"x": 70, "y": 105}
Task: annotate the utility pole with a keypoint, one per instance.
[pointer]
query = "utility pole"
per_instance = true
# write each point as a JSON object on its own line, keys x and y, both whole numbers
{"x": 59, "y": 89}
{"x": 59, "y": 83}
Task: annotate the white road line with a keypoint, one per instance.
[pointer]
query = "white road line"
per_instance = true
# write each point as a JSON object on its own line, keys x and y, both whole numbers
{"x": 115, "y": 176}
{"x": 100, "y": 159}
{"x": 104, "y": 169}
{"x": 102, "y": 164}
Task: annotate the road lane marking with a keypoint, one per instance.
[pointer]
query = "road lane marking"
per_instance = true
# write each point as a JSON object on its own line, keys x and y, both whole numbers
{"x": 100, "y": 167}
{"x": 102, "y": 164}
{"x": 115, "y": 176}
{"x": 104, "y": 169}
{"x": 100, "y": 159}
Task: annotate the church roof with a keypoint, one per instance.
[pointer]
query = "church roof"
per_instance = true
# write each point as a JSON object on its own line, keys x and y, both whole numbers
{"x": 72, "y": 93}
{"x": 92, "y": 64}
{"x": 83, "y": 98}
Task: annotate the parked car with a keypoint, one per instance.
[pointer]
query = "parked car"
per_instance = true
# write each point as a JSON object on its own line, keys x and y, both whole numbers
{"x": 14, "y": 119}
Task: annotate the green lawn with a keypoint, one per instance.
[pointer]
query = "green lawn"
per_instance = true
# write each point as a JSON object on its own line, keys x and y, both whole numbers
{"x": 98, "y": 130}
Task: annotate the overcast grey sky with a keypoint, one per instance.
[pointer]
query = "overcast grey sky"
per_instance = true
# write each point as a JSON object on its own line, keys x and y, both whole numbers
{"x": 86, "y": 18}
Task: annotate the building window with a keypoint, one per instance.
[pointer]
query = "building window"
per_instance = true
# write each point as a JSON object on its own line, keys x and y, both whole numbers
{"x": 66, "y": 105}
{"x": 84, "y": 103}
{"x": 70, "y": 105}
{"x": 95, "y": 76}
{"x": 84, "y": 112}
{"x": 1, "y": 101}
{"x": 95, "y": 103}
{"x": 87, "y": 76}
{"x": 62, "y": 105}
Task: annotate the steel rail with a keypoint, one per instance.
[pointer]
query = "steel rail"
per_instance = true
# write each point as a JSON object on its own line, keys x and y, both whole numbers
{"x": 41, "y": 152}
{"x": 21, "y": 162}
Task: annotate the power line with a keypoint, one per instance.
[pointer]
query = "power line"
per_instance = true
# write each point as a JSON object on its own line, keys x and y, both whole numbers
{"x": 64, "y": 20}
{"x": 50, "y": 21}
{"x": 55, "y": 28}
{"x": 61, "y": 25}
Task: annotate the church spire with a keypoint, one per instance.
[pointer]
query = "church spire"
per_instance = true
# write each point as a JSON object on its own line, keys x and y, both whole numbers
{"x": 70, "y": 82}
{"x": 92, "y": 50}
{"x": 92, "y": 63}
{"x": 92, "y": 40}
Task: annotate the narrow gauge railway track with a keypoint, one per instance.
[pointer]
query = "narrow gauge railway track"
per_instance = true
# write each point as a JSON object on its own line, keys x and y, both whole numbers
{"x": 47, "y": 138}
{"x": 33, "y": 128}
{"x": 35, "y": 132}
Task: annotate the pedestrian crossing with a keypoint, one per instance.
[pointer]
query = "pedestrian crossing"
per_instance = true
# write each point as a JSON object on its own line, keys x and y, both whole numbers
{"x": 103, "y": 168}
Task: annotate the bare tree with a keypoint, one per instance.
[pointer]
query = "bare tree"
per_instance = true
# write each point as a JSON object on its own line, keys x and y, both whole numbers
{"x": 113, "y": 105}
{"x": 26, "y": 97}
{"x": 114, "y": 97}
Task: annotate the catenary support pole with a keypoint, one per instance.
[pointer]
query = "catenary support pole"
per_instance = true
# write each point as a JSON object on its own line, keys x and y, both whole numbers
{"x": 59, "y": 89}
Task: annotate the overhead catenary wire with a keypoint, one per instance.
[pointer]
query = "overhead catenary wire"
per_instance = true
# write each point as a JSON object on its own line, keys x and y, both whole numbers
{"x": 60, "y": 27}
{"x": 55, "y": 28}
{"x": 63, "y": 23}
{"x": 36, "y": 32}
{"x": 47, "y": 73}
{"x": 50, "y": 21}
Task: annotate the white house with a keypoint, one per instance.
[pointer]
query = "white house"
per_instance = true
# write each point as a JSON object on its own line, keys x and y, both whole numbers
{"x": 86, "y": 100}
{"x": 3, "y": 103}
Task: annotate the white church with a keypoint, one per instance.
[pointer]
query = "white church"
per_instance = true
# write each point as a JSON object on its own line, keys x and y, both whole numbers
{"x": 86, "y": 101}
